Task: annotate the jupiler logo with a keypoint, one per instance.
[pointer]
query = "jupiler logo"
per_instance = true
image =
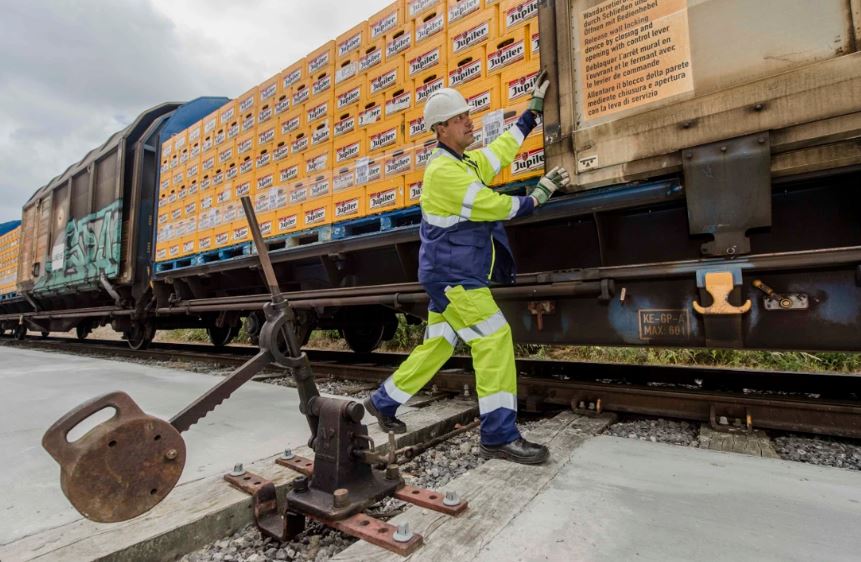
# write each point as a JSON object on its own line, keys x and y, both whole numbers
{"x": 300, "y": 96}
{"x": 424, "y": 61}
{"x": 246, "y": 103}
{"x": 370, "y": 60}
{"x": 285, "y": 223}
{"x": 419, "y": 6}
{"x": 222, "y": 238}
{"x": 471, "y": 37}
{"x": 347, "y": 152}
{"x": 350, "y": 44}
{"x": 281, "y": 152}
{"x": 320, "y": 188}
{"x": 398, "y": 44}
{"x": 243, "y": 189}
{"x": 288, "y": 174}
{"x": 264, "y": 114}
{"x": 246, "y": 166}
{"x": 263, "y": 159}
{"x": 424, "y": 91}
{"x": 290, "y": 126}
{"x": 383, "y": 199}
{"x": 322, "y": 84}
{"x": 345, "y": 126}
{"x": 318, "y": 62}
{"x": 429, "y": 28}
{"x": 349, "y": 97}
{"x": 266, "y": 228}
{"x": 265, "y": 182}
{"x": 205, "y": 243}
{"x": 521, "y": 13}
{"x": 240, "y": 233}
{"x": 232, "y": 172}
{"x": 344, "y": 208}
{"x": 464, "y": 73}
{"x": 282, "y": 105}
{"x": 248, "y": 123}
{"x": 209, "y": 126}
{"x": 380, "y": 83}
{"x": 266, "y": 136}
{"x": 268, "y": 91}
{"x": 399, "y": 103}
{"x": 536, "y": 42}
{"x": 314, "y": 216}
{"x": 292, "y": 78}
{"x": 506, "y": 55}
{"x": 318, "y": 111}
{"x": 188, "y": 246}
{"x": 398, "y": 164}
{"x": 233, "y": 130}
{"x": 321, "y": 134}
{"x": 298, "y": 194}
{"x": 370, "y": 116}
{"x": 344, "y": 179}
{"x": 383, "y": 139}
{"x": 530, "y": 161}
{"x": 417, "y": 126}
{"x": 385, "y": 24}
{"x": 315, "y": 164}
{"x": 300, "y": 144}
{"x": 415, "y": 191}
{"x": 227, "y": 115}
{"x": 521, "y": 86}
{"x": 462, "y": 9}
{"x": 479, "y": 102}
{"x": 226, "y": 155}
{"x": 243, "y": 146}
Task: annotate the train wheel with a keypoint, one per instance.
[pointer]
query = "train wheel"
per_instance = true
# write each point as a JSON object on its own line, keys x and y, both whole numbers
{"x": 253, "y": 324}
{"x": 222, "y": 336}
{"x": 363, "y": 338}
{"x": 139, "y": 336}
{"x": 82, "y": 331}
{"x": 20, "y": 332}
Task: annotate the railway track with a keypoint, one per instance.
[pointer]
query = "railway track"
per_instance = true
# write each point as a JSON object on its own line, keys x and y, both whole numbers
{"x": 730, "y": 399}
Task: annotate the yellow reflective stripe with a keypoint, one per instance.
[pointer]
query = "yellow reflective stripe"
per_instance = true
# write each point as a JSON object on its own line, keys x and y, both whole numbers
{"x": 487, "y": 404}
{"x": 483, "y": 328}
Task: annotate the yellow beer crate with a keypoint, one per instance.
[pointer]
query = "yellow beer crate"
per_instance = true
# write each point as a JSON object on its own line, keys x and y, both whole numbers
{"x": 348, "y": 204}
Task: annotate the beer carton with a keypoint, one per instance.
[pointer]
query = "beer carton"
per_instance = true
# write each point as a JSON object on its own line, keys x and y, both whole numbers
{"x": 475, "y": 30}
{"x": 350, "y": 43}
{"x": 317, "y": 212}
{"x": 467, "y": 66}
{"x": 514, "y": 14}
{"x": 320, "y": 58}
{"x": 385, "y": 195}
{"x": 429, "y": 56}
{"x": 431, "y": 24}
{"x": 386, "y": 20}
{"x": 348, "y": 204}
{"x": 385, "y": 77}
{"x": 507, "y": 51}
{"x": 398, "y": 101}
{"x": 385, "y": 135}
{"x": 460, "y": 9}
{"x": 427, "y": 83}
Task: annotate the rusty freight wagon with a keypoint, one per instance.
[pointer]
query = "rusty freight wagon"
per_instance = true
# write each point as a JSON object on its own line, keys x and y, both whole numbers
{"x": 86, "y": 236}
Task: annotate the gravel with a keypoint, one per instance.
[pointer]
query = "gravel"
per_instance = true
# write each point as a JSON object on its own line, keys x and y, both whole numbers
{"x": 657, "y": 431}
{"x": 822, "y": 451}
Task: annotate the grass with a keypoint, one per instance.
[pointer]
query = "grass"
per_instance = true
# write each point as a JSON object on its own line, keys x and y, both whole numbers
{"x": 408, "y": 337}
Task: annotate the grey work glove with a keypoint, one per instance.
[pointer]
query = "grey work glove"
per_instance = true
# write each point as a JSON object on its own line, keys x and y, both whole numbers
{"x": 547, "y": 185}
{"x": 539, "y": 90}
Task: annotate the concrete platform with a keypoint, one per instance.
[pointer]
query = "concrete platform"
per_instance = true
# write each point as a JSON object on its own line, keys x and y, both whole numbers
{"x": 253, "y": 426}
{"x": 40, "y": 387}
{"x": 608, "y": 498}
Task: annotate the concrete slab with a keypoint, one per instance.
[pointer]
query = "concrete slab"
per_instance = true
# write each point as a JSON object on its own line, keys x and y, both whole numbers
{"x": 622, "y": 499}
{"x": 615, "y": 499}
{"x": 39, "y": 387}
{"x": 251, "y": 425}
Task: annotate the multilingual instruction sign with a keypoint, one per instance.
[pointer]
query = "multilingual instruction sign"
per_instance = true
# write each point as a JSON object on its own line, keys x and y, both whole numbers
{"x": 632, "y": 53}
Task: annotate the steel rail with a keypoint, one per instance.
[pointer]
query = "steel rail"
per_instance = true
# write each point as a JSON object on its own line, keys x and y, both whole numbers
{"x": 693, "y": 393}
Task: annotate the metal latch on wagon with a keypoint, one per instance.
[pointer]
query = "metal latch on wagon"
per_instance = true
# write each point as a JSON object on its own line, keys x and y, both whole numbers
{"x": 720, "y": 285}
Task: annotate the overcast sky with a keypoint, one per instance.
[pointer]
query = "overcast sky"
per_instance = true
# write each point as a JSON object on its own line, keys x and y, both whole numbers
{"x": 73, "y": 72}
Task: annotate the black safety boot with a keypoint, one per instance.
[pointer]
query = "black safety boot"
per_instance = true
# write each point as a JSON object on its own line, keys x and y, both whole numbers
{"x": 387, "y": 423}
{"x": 520, "y": 450}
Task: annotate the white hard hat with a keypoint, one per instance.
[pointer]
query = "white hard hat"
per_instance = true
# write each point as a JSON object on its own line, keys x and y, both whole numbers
{"x": 442, "y": 105}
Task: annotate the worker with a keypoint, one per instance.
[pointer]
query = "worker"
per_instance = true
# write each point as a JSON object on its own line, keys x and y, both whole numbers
{"x": 464, "y": 248}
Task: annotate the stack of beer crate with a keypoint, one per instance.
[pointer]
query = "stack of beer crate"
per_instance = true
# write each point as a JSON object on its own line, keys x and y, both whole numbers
{"x": 9, "y": 247}
{"x": 340, "y": 134}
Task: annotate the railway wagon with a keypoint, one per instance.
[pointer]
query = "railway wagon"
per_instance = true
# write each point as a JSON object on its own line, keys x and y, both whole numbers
{"x": 715, "y": 202}
{"x": 714, "y": 146}
{"x": 86, "y": 236}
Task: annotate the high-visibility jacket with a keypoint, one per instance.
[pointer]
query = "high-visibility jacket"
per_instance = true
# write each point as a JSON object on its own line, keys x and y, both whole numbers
{"x": 463, "y": 241}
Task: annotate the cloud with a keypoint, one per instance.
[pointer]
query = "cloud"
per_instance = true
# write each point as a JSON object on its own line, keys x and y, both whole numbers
{"x": 73, "y": 73}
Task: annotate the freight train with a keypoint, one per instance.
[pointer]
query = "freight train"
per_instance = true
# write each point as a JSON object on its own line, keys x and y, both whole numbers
{"x": 714, "y": 147}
